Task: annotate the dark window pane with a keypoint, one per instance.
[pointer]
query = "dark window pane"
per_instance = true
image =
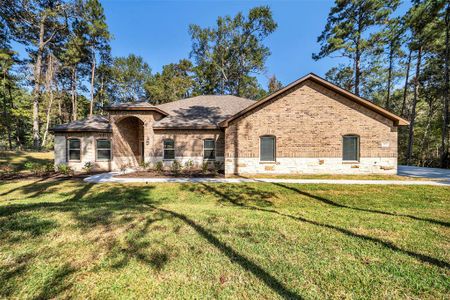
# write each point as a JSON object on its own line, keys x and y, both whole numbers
{"x": 169, "y": 144}
{"x": 103, "y": 144}
{"x": 169, "y": 154}
{"x": 103, "y": 154}
{"x": 350, "y": 148}
{"x": 74, "y": 144}
{"x": 74, "y": 154}
{"x": 267, "y": 149}
{"x": 209, "y": 144}
{"x": 209, "y": 154}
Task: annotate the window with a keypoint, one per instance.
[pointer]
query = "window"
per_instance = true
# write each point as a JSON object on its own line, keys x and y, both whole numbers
{"x": 103, "y": 150}
{"x": 267, "y": 148}
{"x": 209, "y": 149}
{"x": 350, "y": 148}
{"x": 169, "y": 149}
{"x": 74, "y": 149}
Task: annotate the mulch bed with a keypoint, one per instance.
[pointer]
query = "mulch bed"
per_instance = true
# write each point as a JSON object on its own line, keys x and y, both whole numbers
{"x": 169, "y": 174}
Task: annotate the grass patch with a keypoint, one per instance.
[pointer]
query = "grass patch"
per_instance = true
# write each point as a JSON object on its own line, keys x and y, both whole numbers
{"x": 18, "y": 158}
{"x": 69, "y": 239}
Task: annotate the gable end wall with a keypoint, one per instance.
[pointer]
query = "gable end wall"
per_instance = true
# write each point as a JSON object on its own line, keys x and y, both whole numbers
{"x": 309, "y": 122}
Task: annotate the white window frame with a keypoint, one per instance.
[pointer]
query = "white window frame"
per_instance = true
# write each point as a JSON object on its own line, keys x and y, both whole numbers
{"x": 69, "y": 149}
{"x": 96, "y": 149}
{"x": 213, "y": 149}
{"x": 164, "y": 149}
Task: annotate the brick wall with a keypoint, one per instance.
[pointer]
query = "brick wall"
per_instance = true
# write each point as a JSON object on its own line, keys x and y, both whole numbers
{"x": 188, "y": 144}
{"x": 309, "y": 122}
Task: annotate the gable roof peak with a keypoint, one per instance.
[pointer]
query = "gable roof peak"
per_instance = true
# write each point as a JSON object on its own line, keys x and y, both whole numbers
{"x": 399, "y": 121}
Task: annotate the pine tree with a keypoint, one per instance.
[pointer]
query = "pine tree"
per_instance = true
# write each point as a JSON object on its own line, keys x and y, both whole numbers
{"x": 347, "y": 31}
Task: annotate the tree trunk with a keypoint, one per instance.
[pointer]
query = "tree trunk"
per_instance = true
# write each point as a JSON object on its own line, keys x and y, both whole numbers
{"x": 37, "y": 85}
{"x": 102, "y": 98}
{"x": 445, "y": 123}
{"x": 425, "y": 138}
{"x": 391, "y": 58}
{"x": 91, "y": 110}
{"x": 74, "y": 96}
{"x": 357, "y": 70}
{"x": 49, "y": 88}
{"x": 18, "y": 131}
{"x": 413, "y": 108}
{"x": 5, "y": 112}
{"x": 405, "y": 89}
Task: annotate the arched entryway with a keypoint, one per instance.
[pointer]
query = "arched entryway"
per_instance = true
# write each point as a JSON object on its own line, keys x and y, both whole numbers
{"x": 129, "y": 141}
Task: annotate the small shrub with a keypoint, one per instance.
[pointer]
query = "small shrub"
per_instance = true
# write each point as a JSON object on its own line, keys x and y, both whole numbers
{"x": 175, "y": 167}
{"x": 7, "y": 169}
{"x": 205, "y": 167}
{"x": 34, "y": 168}
{"x": 123, "y": 168}
{"x": 218, "y": 166}
{"x": 159, "y": 166}
{"x": 145, "y": 165}
{"x": 189, "y": 165}
{"x": 64, "y": 169}
{"x": 49, "y": 168}
{"x": 88, "y": 167}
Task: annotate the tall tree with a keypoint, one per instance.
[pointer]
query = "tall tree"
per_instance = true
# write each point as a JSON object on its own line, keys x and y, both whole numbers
{"x": 227, "y": 55}
{"x": 422, "y": 22}
{"x": 347, "y": 31}
{"x": 75, "y": 58}
{"x": 130, "y": 74}
{"x": 173, "y": 83}
{"x": 98, "y": 37}
{"x": 37, "y": 24}
{"x": 446, "y": 114}
{"x": 392, "y": 38}
{"x": 274, "y": 84}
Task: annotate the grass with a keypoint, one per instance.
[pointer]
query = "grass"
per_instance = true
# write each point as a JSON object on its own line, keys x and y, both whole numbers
{"x": 18, "y": 158}
{"x": 69, "y": 239}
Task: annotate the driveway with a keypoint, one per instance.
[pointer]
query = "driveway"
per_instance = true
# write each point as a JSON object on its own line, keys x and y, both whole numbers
{"x": 431, "y": 173}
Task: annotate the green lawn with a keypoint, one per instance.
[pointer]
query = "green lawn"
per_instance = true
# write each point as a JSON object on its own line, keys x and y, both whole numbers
{"x": 19, "y": 158}
{"x": 69, "y": 239}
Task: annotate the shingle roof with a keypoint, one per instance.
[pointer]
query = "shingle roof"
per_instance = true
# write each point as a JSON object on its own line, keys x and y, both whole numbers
{"x": 135, "y": 106}
{"x": 94, "y": 123}
{"x": 201, "y": 111}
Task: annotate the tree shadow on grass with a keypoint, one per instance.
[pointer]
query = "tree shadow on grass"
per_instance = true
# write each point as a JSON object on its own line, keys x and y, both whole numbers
{"x": 335, "y": 204}
{"x": 243, "y": 190}
{"x": 236, "y": 257}
{"x": 56, "y": 283}
{"x": 104, "y": 214}
{"x": 10, "y": 271}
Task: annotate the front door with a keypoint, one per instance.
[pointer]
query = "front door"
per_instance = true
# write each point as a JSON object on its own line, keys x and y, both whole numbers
{"x": 142, "y": 152}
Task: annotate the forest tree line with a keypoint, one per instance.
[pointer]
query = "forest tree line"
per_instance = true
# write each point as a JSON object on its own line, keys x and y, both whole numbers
{"x": 398, "y": 60}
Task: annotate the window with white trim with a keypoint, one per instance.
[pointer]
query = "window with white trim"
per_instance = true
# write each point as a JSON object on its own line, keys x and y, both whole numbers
{"x": 169, "y": 149}
{"x": 267, "y": 148}
{"x": 350, "y": 148}
{"x": 103, "y": 147}
{"x": 209, "y": 149}
{"x": 74, "y": 150}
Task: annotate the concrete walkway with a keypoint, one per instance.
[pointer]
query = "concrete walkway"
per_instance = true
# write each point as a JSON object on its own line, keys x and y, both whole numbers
{"x": 109, "y": 177}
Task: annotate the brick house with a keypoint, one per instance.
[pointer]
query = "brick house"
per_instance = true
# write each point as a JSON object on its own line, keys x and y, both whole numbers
{"x": 309, "y": 126}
